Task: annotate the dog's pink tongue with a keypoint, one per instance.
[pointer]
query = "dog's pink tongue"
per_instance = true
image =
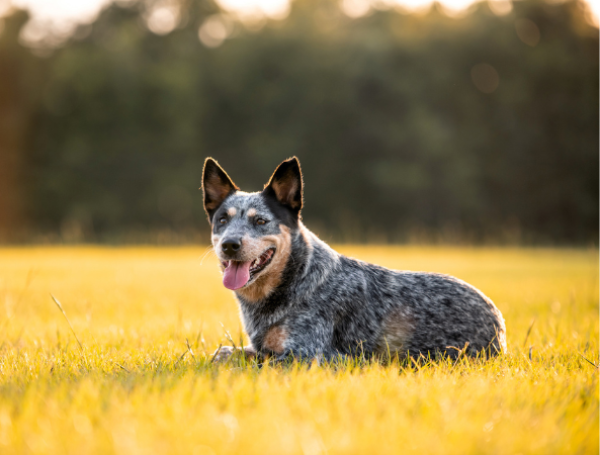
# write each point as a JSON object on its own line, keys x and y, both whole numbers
{"x": 236, "y": 274}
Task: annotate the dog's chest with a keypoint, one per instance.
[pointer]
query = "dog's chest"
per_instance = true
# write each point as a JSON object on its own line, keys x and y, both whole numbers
{"x": 257, "y": 323}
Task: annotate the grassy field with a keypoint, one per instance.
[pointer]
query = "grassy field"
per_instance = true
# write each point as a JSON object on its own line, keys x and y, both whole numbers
{"x": 148, "y": 318}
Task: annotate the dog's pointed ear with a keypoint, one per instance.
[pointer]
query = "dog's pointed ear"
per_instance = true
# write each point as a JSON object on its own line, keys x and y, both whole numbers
{"x": 286, "y": 185}
{"x": 216, "y": 186}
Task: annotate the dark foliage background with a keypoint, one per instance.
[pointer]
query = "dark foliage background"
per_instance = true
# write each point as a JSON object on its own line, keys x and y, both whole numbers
{"x": 107, "y": 134}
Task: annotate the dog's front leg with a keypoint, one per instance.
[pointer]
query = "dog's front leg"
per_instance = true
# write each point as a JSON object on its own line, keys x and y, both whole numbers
{"x": 306, "y": 339}
{"x": 225, "y": 352}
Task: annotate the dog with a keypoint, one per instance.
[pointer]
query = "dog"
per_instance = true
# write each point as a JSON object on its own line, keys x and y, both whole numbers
{"x": 299, "y": 298}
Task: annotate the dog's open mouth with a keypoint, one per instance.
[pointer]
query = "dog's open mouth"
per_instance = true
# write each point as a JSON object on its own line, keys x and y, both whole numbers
{"x": 238, "y": 273}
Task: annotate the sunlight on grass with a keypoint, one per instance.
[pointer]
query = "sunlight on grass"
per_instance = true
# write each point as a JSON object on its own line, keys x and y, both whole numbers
{"x": 148, "y": 319}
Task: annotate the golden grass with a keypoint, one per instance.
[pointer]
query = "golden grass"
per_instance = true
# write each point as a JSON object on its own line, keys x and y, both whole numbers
{"x": 137, "y": 388}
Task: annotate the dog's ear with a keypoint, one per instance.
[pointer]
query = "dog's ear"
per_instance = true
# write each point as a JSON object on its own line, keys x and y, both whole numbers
{"x": 286, "y": 185}
{"x": 216, "y": 186}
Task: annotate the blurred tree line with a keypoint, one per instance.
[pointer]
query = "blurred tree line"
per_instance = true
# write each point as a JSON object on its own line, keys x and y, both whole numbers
{"x": 480, "y": 128}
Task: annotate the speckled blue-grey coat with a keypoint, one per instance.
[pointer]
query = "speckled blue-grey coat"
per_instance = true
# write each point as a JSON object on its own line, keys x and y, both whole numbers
{"x": 299, "y": 297}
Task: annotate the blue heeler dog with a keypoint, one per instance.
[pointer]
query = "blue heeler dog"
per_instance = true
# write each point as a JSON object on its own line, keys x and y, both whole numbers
{"x": 298, "y": 297}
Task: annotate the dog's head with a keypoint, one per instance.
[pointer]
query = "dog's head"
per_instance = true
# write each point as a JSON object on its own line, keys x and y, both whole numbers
{"x": 251, "y": 232}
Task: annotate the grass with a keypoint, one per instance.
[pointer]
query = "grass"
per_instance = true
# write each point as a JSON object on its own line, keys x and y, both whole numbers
{"x": 142, "y": 381}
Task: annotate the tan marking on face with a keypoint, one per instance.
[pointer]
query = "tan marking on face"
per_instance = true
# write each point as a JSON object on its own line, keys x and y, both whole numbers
{"x": 231, "y": 211}
{"x": 396, "y": 331}
{"x": 275, "y": 339}
{"x": 270, "y": 277}
{"x": 251, "y": 212}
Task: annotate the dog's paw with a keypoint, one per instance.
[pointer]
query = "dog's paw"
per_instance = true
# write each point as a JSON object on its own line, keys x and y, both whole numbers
{"x": 226, "y": 352}
{"x": 223, "y": 354}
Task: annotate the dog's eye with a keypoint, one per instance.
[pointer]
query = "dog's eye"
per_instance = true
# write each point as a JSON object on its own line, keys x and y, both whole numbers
{"x": 260, "y": 221}
{"x": 223, "y": 220}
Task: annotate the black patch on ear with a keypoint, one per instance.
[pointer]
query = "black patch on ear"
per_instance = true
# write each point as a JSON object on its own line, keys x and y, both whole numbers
{"x": 216, "y": 186}
{"x": 285, "y": 186}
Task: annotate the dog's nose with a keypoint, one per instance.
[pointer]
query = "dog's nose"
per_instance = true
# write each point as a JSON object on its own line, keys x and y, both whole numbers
{"x": 231, "y": 246}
